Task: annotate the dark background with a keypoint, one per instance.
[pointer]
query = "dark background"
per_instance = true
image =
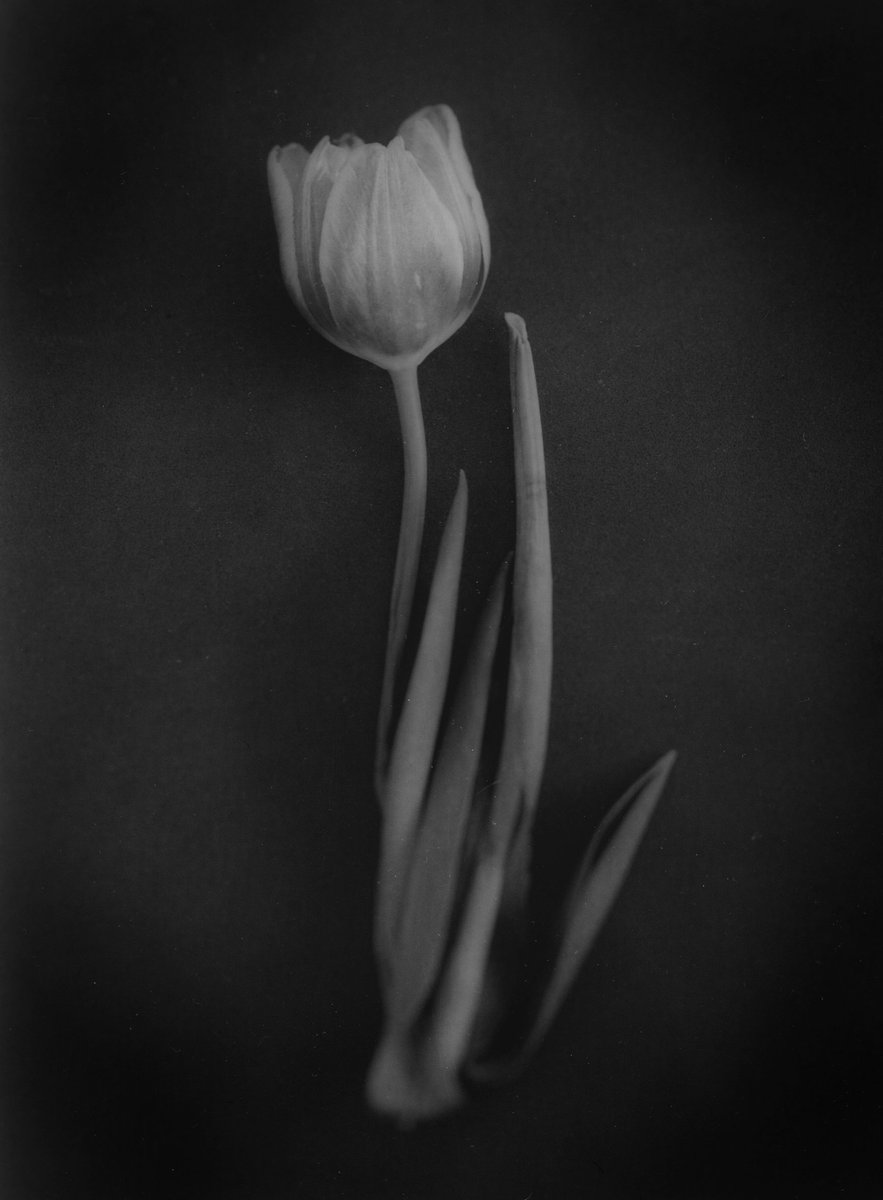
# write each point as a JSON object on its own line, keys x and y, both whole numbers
{"x": 200, "y": 504}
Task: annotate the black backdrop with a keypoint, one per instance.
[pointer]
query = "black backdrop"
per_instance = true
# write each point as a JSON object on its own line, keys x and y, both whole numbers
{"x": 200, "y": 501}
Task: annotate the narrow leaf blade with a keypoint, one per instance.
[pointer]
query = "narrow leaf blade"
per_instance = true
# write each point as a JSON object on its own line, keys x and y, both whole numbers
{"x": 416, "y": 734}
{"x": 526, "y": 728}
{"x": 435, "y": 865}
{"x": 602, "y": 873}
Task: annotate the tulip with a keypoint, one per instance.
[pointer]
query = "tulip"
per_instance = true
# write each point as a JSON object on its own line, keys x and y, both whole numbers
{"x": 385, "y": 250}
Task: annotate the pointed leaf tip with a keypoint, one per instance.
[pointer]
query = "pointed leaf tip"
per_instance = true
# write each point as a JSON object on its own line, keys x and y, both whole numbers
{"x": 598, "y": 882}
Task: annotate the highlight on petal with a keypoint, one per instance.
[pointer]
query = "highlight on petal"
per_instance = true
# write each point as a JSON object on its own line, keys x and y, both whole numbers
{"x": 426, "y": 258}
{"x": 390, "y": 257}
{"x": 446, "y": 125}
{"x": 433, "y": 137}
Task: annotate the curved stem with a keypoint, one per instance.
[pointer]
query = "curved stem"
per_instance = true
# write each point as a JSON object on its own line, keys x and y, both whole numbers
{"x": 408, "y": 556}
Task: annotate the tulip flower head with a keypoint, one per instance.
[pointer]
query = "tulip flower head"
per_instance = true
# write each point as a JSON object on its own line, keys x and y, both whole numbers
{"x": 384, "y": 249}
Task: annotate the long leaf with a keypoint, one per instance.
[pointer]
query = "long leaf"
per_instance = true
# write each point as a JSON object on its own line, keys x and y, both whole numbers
{"x": 526, "y": 724}
{"x": 415, "y": 737}
{"x": 435, "y": 864}
{"x": 526, "y": 728}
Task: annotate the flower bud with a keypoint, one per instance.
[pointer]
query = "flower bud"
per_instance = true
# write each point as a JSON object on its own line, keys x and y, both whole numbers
{"x": 384, "y": 249}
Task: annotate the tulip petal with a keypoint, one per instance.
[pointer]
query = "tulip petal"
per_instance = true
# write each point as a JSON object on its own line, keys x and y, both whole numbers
{"x": 433, "y": 137}
{"x": 435, "y": 867}
{"x": 285, "y": 169}
{"x": 448, "y": 127}
{"x": 318, "y": 177}
{"x": 390, "y": 255}
{"x": 293, "y": 160}
{"x": 417, "y": 731}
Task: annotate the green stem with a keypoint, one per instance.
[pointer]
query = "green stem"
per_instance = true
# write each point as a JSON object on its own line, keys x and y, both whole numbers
{"x": 407, "y": 559}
